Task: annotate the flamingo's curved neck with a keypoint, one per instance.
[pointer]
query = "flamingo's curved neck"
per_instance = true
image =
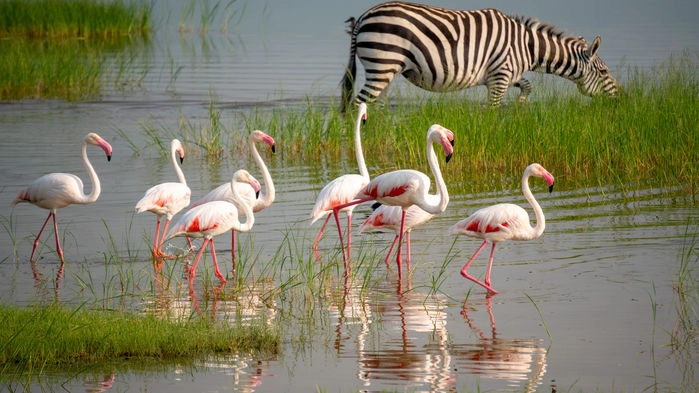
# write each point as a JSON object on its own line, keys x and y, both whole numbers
{"x": 359, "y": 153}
{"x": 437, "y": 203}
{"x": 96, "y": 187}
{"x": 178, "y": 170}
{"x": 538, "y": 229}
{"x": 268, "y": 197}
{"x": 247, "y": 211}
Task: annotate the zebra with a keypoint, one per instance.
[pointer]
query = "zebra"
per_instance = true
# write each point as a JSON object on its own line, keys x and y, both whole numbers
{"x": 442, "y": 50}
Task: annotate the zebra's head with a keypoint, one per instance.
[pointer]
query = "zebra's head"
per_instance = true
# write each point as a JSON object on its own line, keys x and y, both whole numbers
{"x": 594, "y": 77}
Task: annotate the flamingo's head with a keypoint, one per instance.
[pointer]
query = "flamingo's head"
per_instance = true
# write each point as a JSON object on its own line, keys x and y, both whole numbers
{"x": 259, "y": 136}
{"x": 539, "y": 171}
{"x": 96, "y": 140}
{"x": 177, "y": 148}
{"x": 244, "y": 176}
{"x": 444, "y": 136}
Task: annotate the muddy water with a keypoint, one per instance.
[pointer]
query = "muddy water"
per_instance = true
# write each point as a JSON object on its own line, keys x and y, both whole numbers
{"x": 576, "y": 308}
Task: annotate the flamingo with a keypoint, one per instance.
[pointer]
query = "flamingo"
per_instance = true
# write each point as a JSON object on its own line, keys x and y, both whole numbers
{"x": 166, "y": 199}
{"x": 387, "y": 218}
{"x": 407, "y": 187}
{"x": 503, "y": 221}
{"x": 57, "y": 190}
{"x": 225, "y": 193}
{"x": 211, "y": 219}
{"x": 342, "y": 190}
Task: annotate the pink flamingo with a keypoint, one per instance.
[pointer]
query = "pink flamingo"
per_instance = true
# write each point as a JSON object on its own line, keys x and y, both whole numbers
{"x": 388, "y": 218}
{"x": 504, "y": 221}
{"x": 166, "y": 199}
{"x": 225, "y": 193}
{"x": 58, "y": 190}
{"x": 334, "y": 196}
{"x": 214, "y": 218}
{"x": 407, "y": 187}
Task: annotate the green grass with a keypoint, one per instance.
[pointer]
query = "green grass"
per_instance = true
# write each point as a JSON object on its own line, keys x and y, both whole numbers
{"x": 53, "y": 336}
{"x": 57, "y": 48}
{"x": 647, "y": 138}
{"x": 67, "y": 19}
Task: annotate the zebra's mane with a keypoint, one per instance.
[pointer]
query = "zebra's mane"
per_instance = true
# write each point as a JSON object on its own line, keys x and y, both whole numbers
{"x": 544, "y": 28}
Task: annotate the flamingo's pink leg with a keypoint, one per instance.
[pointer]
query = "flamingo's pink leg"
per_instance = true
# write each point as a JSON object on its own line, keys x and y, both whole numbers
{"x": 349, "y": 235}
{"x": 36, "y": 241}
{"x": 470, "y": 277}
{"x": 490, "y": 266}
{"x": 216, "y": 269}
{"x": 399, "y": 261}
{"x": 58, "y": 243}
{"x": 193, "y": 269}
{"x": 407, "y": 241}
{"x": 336, "y": 214}
{"x": 390, "y": 250}
{"x": 320, "y": 234}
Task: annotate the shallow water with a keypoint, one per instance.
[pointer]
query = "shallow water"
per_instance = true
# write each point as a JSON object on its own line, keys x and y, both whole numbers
{"x": 591, "y": 281}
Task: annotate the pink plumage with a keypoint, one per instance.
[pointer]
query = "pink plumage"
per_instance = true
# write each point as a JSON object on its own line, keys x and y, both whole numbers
{"x": 408, "y": 187}
{"x": 224, "y": 192}
{"x": 214, "y": 218}
{"x": 342, "y": 190}
{"x": 166, "y": 199}
{"x": 57, "y": 190}
{"x": 504, "y": 221}
{"x": 388, "y": 219}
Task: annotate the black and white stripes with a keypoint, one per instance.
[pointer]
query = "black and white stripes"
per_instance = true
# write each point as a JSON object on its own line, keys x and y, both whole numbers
{"x": 439, "y": 49}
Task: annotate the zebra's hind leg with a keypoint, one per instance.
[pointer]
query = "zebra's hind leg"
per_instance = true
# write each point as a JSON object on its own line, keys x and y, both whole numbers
{"x": 525, "y": 87}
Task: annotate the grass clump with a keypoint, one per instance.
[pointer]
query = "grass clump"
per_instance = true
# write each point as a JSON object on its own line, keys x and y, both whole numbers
{"x": 53, "y": 336}
{"x": 58, "y": 48}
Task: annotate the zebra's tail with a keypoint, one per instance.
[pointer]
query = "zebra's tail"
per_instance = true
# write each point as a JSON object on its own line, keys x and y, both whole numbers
{"x": 351, "y": 69}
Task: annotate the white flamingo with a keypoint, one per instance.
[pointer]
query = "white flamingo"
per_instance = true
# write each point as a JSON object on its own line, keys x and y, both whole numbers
{"x": 504, "y": 221}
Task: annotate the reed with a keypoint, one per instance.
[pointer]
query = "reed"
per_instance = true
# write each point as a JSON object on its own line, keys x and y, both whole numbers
{"x": 61, "y": 19}
{"x": 54, "y": 336}
{"x": 57, "y": 48}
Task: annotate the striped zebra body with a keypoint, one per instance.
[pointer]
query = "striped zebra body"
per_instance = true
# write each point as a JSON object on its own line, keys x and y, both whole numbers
{"x": 443, "y": 50}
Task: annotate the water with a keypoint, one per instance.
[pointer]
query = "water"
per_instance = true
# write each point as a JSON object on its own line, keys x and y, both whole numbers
{"x": 591, "y": 281}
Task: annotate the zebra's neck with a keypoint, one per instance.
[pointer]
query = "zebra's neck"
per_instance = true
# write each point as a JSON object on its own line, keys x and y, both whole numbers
{"x": 552, "y": 52}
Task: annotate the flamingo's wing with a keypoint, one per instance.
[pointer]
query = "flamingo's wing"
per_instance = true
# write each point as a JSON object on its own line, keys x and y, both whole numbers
{"x": 53, "y": 191}
{"x": 224, "y": 193}
{"x": 165, "y": 199}
{"x": 340, "y": 191}
{"x": 206, "y": 220}
{"x": 494, "y": 223}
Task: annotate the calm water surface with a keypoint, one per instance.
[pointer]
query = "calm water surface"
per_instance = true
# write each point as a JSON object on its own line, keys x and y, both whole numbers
{"x": 591, "y": 281}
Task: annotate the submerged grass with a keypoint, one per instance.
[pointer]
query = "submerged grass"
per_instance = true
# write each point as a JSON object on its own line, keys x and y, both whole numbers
{"x": 53, "y": 336}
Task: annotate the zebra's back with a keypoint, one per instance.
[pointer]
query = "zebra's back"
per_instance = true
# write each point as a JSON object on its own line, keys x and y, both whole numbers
{"x": 440, "y": 49}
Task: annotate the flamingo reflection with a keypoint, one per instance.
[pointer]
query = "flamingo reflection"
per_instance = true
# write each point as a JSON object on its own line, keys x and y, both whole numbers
{"x": 402, "y": 336}
{"x": 40, "y": 282}
{"x": 511, "y": 359}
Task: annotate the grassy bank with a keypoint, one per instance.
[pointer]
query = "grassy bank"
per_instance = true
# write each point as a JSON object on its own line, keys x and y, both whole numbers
{"x": 34, "y": 339}
{"x": 647, "y": 138}
{"x": 57, "y": 48}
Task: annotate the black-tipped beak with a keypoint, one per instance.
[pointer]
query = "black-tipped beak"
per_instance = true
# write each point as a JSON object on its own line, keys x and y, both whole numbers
{"x": 551, "y": 188}
{"x": 257, "y": 195}
{"x": 181, "y": 160}
{"x": 109, "y": 158}
{"x": 274, "y": 150}
{"x": 448, "y": 157}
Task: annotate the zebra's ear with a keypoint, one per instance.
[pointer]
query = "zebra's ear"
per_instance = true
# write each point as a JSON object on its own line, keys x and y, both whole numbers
{"x": 594, "y": 47}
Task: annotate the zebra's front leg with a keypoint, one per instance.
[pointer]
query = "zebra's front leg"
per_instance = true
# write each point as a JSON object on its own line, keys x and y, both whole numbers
{"x": 525, "y": 87}
{"x": 496, "y": 91}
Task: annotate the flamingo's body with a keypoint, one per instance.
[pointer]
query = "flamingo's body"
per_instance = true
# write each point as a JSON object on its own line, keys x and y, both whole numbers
{"x": 503, "y": 221}
{"x": 342, "y": 190}
{"x": 224, "y": 192}
{"x": 166, "y": 199}
{"x": 57, "y": 190}
{"x": 407, "y": 187}
{"x": 388, "y": 219}
{"x": 214, "y": 218}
